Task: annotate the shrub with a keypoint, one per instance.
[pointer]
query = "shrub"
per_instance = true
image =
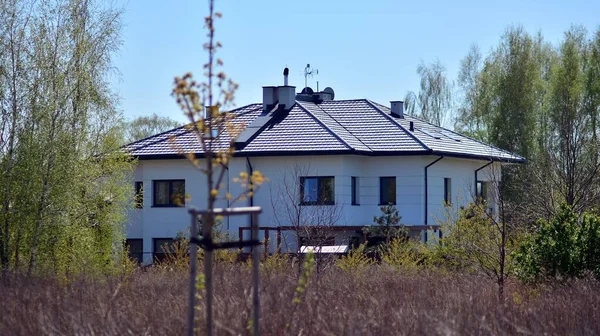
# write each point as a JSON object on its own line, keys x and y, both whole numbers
{"x": 405, "y": 254}
{"x": 562, "y": 247}
{"x": 276, "y": 263}
{"x": 356, "y": 261}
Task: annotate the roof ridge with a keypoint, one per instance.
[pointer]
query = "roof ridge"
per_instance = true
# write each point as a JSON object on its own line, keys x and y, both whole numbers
{"x": 326, "y": 127}
{"x": 342, "y": 126}
{"x": 374, "y": 105}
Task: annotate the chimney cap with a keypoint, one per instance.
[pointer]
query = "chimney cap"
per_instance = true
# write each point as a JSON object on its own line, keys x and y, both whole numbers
{"x": 286, "y": 71}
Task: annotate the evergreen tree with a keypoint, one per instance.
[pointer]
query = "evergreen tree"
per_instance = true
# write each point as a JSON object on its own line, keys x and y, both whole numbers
{"x": 388, "y": 224}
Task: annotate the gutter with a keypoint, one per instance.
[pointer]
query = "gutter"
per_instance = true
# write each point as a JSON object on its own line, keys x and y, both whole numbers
{"x": 476, "y": 171}
{"x": 426, "y": 218}
{"x": 251, "y": 198}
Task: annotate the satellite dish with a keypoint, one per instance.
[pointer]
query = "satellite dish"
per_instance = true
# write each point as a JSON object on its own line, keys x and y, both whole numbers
{"x": 307, "y": 90}
{"x": 330, "y": 91}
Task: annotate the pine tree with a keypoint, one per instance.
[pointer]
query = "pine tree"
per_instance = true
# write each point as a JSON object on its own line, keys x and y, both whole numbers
{"x": 388, "y": 224}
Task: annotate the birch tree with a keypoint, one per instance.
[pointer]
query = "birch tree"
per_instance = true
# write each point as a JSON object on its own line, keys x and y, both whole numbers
{"x": 66, "y": 183}
{"x": 434, "y": 101}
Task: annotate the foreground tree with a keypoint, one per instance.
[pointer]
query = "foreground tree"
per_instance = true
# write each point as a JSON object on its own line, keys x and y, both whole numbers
{"x": 65, "y": 184}
{"x": 205, "y": 105}
{"x": 570, "y": 164}
{"x": 483, "y": 235}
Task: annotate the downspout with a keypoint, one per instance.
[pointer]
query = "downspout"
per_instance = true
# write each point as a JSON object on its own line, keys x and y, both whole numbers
{"x": 426, "y": 221}
{"x": 476, "y": 178}
{"x": 251, "y": 198}
{"x": 228, "y": 192}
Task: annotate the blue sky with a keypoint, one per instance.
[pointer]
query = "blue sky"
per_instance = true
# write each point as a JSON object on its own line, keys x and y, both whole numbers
{"x": 362, "y": 49}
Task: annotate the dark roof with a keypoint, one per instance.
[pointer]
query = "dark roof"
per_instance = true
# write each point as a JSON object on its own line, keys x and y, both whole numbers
{"x": 331, "y": 127}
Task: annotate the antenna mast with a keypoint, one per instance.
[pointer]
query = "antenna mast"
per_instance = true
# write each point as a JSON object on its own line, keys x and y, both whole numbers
{"x": 308, "y": 71}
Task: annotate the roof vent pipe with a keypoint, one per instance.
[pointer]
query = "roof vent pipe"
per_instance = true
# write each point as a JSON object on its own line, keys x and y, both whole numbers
{"x": 286, "y": 72}
{"x": 397, "y": 108}
{"x": 412, "y": 126}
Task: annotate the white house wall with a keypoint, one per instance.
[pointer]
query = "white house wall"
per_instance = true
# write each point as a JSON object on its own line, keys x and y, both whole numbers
{"x": 160, "y": 222}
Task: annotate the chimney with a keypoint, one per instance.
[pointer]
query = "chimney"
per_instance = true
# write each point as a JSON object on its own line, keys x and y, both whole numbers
{"x": 270, "y": 97}
{"x": 287, "y": 96}
{"x": 286, "y": 72}
{"x": 397, "y": 108}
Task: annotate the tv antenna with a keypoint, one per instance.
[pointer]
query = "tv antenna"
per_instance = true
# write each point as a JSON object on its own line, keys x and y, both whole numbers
{"x": 308, "y": 71}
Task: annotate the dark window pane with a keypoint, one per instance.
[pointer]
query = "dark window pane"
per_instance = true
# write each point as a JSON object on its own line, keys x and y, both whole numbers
{"x": 169, "y": 193}
{"x": 326, "y": 190}
{"x": 317, "y": 190}
{"x": 161, "y": 192}
{"x": 162, "y": 247}
{"x": 135, "y": 248}
{"x": 481, "y": 191}
{"x": 354, "y": 187}
{"x": 447, "y": 190}
{"x": 310, "y": 190}
{"x": 387, "y": 190}
{"x": 139, "y": 195}
{"x": 178, "y": 196}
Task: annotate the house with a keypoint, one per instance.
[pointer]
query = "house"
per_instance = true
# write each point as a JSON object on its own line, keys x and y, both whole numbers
{"x": 330, "y": 164}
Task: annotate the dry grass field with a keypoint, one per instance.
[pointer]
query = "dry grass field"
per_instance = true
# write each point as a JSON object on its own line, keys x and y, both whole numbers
{"x": 377, "y": 301}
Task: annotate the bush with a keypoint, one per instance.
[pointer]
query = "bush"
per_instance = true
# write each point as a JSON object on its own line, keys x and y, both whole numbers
{"x": 405, "y": 254}
{"x": 563, "y": 247}
{"x": 356, "y": 261}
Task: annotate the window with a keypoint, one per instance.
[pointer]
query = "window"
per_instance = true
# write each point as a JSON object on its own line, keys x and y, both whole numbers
{"x": 355, "y": 193}
{"x": 169, "y": 193}
{"x": 317, "y": 190}
{"x": 481, "y": 191}
{"x": 163, "y": 247}
{"x": 139, "y": 195}
{"x": 387, "y": 190}
{"x": 135, "y": 249}
{"x": 447, "y": 191}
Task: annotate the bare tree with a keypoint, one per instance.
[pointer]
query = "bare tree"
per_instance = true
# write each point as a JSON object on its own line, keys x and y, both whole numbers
{"x": 483, "y": 234}
{"x": 311, "y": 222}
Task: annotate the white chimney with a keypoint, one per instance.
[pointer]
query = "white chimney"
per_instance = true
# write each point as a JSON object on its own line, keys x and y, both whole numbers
{"x": 286, "y": 72}
{"x": 270, "y": 97}
{"x": 287, "y": 96}
{"x": 397, "y": 108}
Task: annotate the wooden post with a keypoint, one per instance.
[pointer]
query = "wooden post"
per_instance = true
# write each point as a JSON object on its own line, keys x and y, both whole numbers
{"x": 255, "y": 274}
{"x": 208, "y": 245}
{"x": 267, "y": 243}
{"x": 208, "y": 274}
{"x": 193, "y": 254}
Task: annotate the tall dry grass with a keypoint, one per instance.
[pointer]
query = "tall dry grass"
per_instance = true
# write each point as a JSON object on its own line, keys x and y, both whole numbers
{"x": 380, "y": 301}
